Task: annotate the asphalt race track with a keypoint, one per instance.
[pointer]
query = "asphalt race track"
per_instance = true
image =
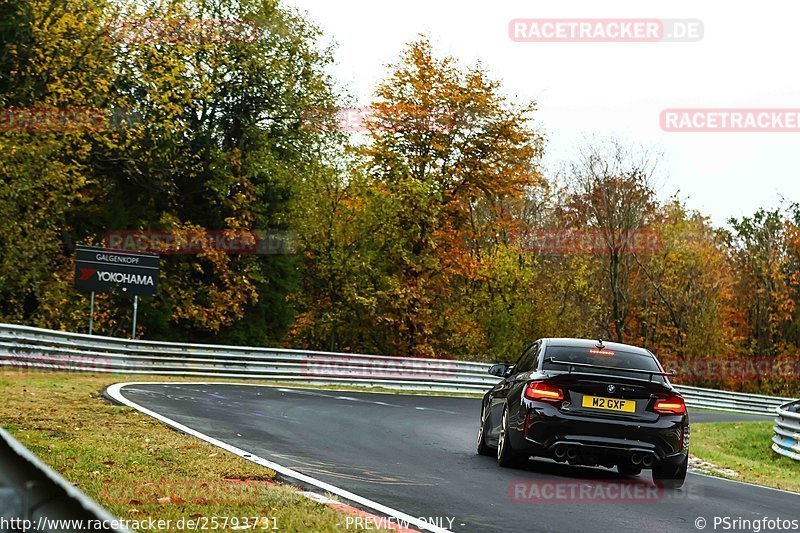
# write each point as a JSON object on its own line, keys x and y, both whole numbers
{"x": 417, "y": 454}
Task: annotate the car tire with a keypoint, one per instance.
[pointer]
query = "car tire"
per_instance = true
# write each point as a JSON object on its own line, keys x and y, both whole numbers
{"x": 629, "y": 470}
{"x": 482, "y": 447}
{"x": 670, "y": 476}
{"x": 506, "y": 456}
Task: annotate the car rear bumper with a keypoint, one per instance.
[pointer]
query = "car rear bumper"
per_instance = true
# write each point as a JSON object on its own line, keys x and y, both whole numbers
{"x": 543, "y": 428}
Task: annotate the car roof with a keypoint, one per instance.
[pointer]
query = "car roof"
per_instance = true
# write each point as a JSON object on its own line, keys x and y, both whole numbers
{"x": 587, "y": 343}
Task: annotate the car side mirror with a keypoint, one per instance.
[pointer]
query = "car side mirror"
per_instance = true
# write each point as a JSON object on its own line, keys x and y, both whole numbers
{"x": 500, "y": 370}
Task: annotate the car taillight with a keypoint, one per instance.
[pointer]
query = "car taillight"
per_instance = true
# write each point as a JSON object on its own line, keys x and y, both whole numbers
{"x": 543, "y": 391}
{"x": 673, "y": 405}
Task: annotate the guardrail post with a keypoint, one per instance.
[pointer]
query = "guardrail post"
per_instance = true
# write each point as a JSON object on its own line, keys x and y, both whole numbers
{"x": 135, "y": 311}
{"x": 91, "y": 314}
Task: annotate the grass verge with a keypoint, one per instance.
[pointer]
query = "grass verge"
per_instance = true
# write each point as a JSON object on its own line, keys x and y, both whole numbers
{"x": 745, "y": 447}
{"x": 136, "y": 467}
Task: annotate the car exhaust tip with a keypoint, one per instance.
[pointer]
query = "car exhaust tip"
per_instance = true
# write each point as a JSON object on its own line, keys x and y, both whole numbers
{"x": 648, "y": 460}
{"x": 636, "y": 458}
{"x": 572, "y": 453}
{"x": 560, "y": 452}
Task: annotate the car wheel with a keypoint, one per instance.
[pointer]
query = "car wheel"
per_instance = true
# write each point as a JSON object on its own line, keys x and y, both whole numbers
{"x": 629, "y": 470}
{"x": 483, "y": 448}
{"x": 670, "y": 476}
{"x": 506, "y": 456}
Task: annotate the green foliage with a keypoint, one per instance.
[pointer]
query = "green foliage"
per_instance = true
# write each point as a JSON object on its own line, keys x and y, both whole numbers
{"x": 199, "y": 132}
{"x": 421, "y": 237}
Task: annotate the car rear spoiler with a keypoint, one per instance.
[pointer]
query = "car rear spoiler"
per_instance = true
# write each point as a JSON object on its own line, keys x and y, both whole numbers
{"x": 571, "y": 365}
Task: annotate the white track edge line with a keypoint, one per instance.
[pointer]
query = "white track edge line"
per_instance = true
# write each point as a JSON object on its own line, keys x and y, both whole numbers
{"x": 115, "y": 391}
{"x": 744, "y": 483}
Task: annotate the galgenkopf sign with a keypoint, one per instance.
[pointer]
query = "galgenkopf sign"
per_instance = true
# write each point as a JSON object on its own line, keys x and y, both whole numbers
{"x": 128, "y": 273}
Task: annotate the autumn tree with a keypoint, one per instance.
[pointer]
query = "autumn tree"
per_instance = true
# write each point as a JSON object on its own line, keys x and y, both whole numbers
{"x": 202, "y": 129}
{"x": 613, "y": 197}
{"x": 216, "y": 142}
{"x": 56, "y": 70}
{"x": 448, "y": 155}
{"x": 760, "y": 252}
{"x": 686, "y": 307}
{"x": 337, "y": 297}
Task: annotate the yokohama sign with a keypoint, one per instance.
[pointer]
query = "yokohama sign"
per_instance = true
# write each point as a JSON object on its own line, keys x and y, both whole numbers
{"x": 129, "y": 273}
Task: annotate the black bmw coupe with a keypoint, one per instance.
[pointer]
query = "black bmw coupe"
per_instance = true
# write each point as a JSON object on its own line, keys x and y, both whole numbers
{"x": 587, "y": 403}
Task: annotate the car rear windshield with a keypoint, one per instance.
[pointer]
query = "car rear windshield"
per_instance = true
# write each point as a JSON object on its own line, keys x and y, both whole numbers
{"x": 601, "y": 357}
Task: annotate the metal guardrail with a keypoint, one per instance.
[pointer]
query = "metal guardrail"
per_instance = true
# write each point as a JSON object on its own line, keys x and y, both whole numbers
{"x": 787, "y": 431}
{"x": 35, "y": 497}
{"x": 731, "y": 401}
{"x": 23, "y": 346}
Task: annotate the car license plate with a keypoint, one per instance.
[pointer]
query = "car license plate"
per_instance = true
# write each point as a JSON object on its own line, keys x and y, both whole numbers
{"x": 610, "y": 404}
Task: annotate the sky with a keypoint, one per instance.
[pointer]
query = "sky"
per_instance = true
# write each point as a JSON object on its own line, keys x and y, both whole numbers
{"x": 744, "y": 60}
